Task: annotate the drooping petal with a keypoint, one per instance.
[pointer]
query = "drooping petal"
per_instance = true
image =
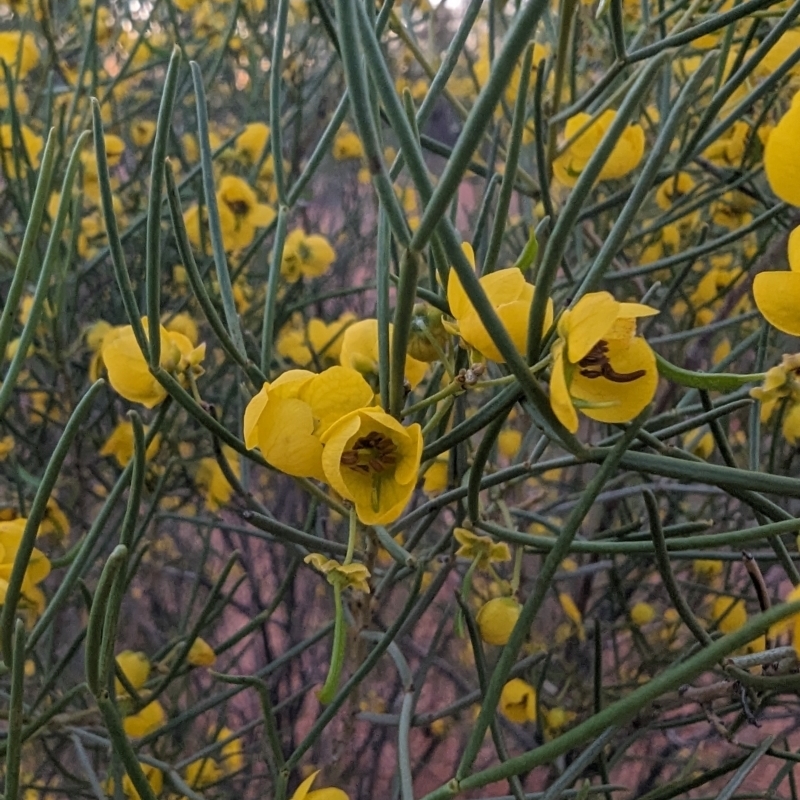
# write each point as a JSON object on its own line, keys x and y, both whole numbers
{"x": 252, "y": 414}
{"x": 560, "y": 401}
{"x": 777, "y": 295}
{"x": 626, "y": 398}
{"x": 456, "y": 296}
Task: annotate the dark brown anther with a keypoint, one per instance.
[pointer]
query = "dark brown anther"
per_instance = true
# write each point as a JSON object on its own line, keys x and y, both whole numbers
{"x": 349, "y": 458}
{"x": 375, "y": 465}
{"x": 595, "y": 364}
{"x": 239, "y": 207}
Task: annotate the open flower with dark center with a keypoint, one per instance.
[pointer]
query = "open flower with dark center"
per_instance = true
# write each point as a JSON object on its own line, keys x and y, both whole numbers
{"x": 240, "y": 215}
{"x": 370, "y": 459}
{"x": 600, "y": 365}
{"x": 305, "y": 255}
{"x": 287, "y": 418}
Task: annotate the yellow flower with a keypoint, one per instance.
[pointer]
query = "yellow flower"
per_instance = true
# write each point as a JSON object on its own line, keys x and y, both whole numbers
{"x": 508, "y": 442}
{"x": 706, "y": 569}
{"x": 203, "y": 772}
{"x": 624, "y": 158}
{"x": 510, "y": 295}
{"x": 790, "y": 623}
{"x": 232, "y": 752}
{"x": 135, "y": 666}
{"x": 240, "y": 214}
{"x": 120, "y": 444}
{"x": 573, "y": 613}
{"x": 319, "y": 342}
{"x": 32, "y": 143}
{"x": 182, "y": 323}
{"x": 728, "y": 149}
{"x": 482, "y": 549}
{"x": 777, "y": 294}
{"x": 729, "y": 614}
{"x": 346, "y": 575}
{"x": 435, "y": 480}
{"x": 19, "y": 46}
{"x": 331, "y": 793}
{"x": 211, "y": 480}
{"x": 250, "y": 143}
{"x": 556, "y": 719}
{"x": 347, "y": 145}
{"x": 782, "y": 156}
{"x": 142, "y": 132}
{"x": 154, "y": 777}
{"x": 38, "y": 567}
{"x": 699, "y": 442}
{"x": 373, "y": 461}
{"x": 782, "y": 383}
{"x": 201, "y": 654}
{"x": 6, "y": 446}
{"x": 518, "y": 701}
{"x": 673, "y": 189}
{"x": 115, "y": 147}
{"x": 149, "y": 719}
{"x": 305, "y": 256}
{"x": 360, "y": 352}
{"x": 20, "y": 99}
{"x": 496, "y": 619}
{"x": 128, "y": 372}
{"x": 642, "y": 613}
{"x": 289, "y": 416}
{"x": 599, "y": 364}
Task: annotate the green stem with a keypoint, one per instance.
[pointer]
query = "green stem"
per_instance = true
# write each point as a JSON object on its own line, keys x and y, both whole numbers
{"x": 153, "y": 234}
{"x": 15, "y": 712}
{"x": 328, "y": 691}
{"x": 214, "y": 224}
{"x": 36, "y": 515}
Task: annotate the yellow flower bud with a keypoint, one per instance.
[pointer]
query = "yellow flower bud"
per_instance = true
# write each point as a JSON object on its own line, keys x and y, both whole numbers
{"x": 496, "y": 619}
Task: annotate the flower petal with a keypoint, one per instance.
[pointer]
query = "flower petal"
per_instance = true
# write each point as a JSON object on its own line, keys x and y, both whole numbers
{"x": 782, "y": 156}
{"x": 560, "y": 401}
{"x": 251, "y": 416}
{"x": 777, "y": 295}
{"x": 285, "y": 436}
{"x": 335, "y": 392}
{"x": 794, "y": 250}
{"x": 587, "y": 323}
{"x": 628, "y": 398}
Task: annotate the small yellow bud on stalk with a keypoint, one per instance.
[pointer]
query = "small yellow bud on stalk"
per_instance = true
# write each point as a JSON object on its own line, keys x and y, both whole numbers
{"x": 496, "y": 619}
